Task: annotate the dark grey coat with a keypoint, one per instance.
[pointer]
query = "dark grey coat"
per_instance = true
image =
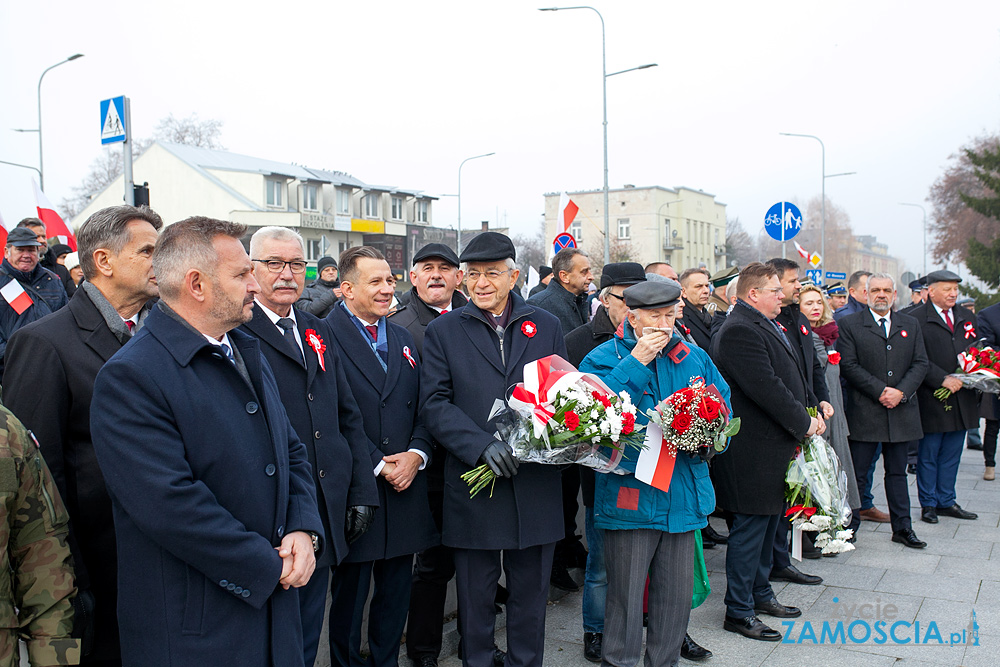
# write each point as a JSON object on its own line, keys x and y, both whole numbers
{"x": 569, "y": 308}
{"x": 869, "y": 362}
{"x": 943, "y": 347}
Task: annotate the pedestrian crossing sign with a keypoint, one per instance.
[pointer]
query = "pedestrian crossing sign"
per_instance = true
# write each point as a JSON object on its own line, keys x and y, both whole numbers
{"x": 113, "y": 128}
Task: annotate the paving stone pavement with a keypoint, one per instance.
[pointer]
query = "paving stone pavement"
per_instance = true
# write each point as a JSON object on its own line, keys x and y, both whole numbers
{"x": 940, "y": 586}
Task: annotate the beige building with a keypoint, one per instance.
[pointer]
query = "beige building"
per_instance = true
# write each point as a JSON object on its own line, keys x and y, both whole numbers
{"x": 870, "y": 255}
{"x": 682, "y": 226}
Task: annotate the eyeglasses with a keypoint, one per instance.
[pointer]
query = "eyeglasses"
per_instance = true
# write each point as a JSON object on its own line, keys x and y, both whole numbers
{"x": 776, "y": 290}
{"x": 277, "y": 266}
{"x": 617, "y": 296}
{"x": 492, "y": 276}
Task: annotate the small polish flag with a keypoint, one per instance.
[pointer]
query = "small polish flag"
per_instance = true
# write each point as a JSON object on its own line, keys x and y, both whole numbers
{"x": 812, "y": 258}
{"x": 3, "y": 232}
{"x": 15, "y": 295}
{"x": 567, "y": 211}
{"x": 655, "y": 465}
{"x": 54, "y": 225}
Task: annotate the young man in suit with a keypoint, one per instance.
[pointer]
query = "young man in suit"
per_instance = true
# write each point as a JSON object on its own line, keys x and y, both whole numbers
{"x": 383, "y": 369}
{"x": 58, "y": 358}
{"x": 317, "y": 397}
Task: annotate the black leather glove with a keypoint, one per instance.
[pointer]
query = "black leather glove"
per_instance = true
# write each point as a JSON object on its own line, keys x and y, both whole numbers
{"x": 359, "y": 520}
{"x": 500, "y": 459}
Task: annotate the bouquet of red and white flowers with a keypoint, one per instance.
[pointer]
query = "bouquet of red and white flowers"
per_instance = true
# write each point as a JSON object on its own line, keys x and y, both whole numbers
{"x": 695, "y": 420}
{"x": 977, "y": 369}
{"x": 558, "y": 416}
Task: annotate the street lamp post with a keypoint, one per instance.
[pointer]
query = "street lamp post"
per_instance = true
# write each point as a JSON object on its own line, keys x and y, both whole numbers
{"x": 41, "y": 167}
{"x": 822, "y": 232}
{"x": 925, "y": 230}
{"x": 604, "y": 92}
{"x": 474, "y": 157}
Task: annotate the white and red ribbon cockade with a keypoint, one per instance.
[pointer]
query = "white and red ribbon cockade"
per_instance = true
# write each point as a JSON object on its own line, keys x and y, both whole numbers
{"x": 805, "y": 332}
{"x": 315, "y": 341}
{"x": 970, "y": 331}
{"x": 529, "y": 328}
{"x": 409, "y": 357}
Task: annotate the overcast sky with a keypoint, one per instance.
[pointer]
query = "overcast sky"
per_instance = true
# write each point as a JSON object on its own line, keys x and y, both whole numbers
{"x": 400, "y": 92}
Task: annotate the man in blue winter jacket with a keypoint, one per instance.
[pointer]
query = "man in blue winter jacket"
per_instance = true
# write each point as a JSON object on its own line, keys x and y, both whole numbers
{"x": 647, "y": 530}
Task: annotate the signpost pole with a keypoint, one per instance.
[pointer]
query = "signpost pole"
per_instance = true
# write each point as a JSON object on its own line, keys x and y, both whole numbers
{"x": 127, "y": 156}
{"x": 782, "y": 230}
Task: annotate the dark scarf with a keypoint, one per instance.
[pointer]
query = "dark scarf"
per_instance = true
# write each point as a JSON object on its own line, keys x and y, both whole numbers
{"x": 829, "y": 332}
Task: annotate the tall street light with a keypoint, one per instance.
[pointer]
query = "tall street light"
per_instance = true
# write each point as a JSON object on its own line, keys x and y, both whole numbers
{"x": 604, "y": 90}
{"x": 822, "y": 233}
{"x": 474, "y": 157}
{"x": 925, "y": 230}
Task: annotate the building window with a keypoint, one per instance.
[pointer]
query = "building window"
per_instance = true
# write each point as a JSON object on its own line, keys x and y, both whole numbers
{"x": 397, "y": 208}
{"x": 343, "y": 202}
{"x": 371, "y": 205}
{"x": 312, "y": 249}
{"x": 309, "y": 198}
{"x": 624, "y": 229}
{"x": 273, "y": 192}
{"x": 422, "y": 208}
{"x": 576, "y": 229}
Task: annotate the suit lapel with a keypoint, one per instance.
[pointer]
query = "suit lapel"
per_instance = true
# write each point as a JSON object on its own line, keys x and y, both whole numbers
{"x": 395, "y": 354}
{"x": 358, "y": 351}
{"x": 771, "y": 331}
{"x": 264, "y": 329}
{"x": 309, "y": 354}
{"x": 99, "y": 338}
{"x": 482, "y": 336}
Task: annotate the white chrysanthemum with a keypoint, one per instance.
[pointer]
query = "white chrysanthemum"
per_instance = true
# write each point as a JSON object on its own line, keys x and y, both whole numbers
{"x": 845, "y": 534}
{"x": 595, "y": 415}
{"x": 605, "y": 427}
{"x": 808, "y": 527}
{"x": 837, "y": 546}
{"x": 823, "y": 522}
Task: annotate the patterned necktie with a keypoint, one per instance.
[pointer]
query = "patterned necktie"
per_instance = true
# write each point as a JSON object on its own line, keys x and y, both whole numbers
{"x": 229, "y": 353}
{"x": 286, "y": 324}
{"x": 947, "y": 320}
{"x": 881, "y": 323}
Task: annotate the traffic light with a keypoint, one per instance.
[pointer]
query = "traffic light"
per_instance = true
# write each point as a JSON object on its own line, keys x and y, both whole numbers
{"x": 141, "y": 194}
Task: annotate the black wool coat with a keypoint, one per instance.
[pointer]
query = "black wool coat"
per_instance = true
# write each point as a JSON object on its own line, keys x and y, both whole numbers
{"x": 414, "y": 315}
{"x": 466, "y": 370}
{"x": 943, "y": 347}
{"x": 769, "y": 395}
{"x": 700, "y": 324}
{"x": 388, "y": 401}
{"x": 571, "y": 310}
{"x": 870, "y": 362}
{"x": 799, "y": 334}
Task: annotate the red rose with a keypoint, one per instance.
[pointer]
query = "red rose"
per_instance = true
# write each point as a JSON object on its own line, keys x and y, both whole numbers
{"x": 628, "y": 423}
{"x": 681, "y": 423}
{"x": 708, "y": 409}
{"x": 571, "y": 420}
{"x": 833, "y": 357}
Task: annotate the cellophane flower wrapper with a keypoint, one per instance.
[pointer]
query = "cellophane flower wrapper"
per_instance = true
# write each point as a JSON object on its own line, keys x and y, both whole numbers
{"x": 695, "y": 420}
{"x": 816, "y": 489}
{"x": 979, "y": 368}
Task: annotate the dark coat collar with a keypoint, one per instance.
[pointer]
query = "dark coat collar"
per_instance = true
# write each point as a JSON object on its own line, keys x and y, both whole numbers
{"x": 359, "y": 352}
{"x": 424, "y": 313}
{"x": 264, "y": 329}
{"x": 482, "y": 333}
{"x": 99, "y": 338}
{"x": 601, "y": 324}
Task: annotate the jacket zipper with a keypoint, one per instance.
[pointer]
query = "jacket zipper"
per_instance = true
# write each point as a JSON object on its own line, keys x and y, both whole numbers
{"x": 45, "y": 491}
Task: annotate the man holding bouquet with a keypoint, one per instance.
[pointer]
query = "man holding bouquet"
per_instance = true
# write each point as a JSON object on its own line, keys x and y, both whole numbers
{"x": 646, "y": 529}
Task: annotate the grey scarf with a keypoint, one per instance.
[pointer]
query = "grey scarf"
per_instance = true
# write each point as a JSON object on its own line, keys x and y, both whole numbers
{"x": 111, "y": 316}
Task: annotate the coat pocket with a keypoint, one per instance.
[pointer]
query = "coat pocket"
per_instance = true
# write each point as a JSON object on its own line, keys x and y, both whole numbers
{"x": 703, "y": 489}
{"x": 627, "y": 502}
{"x": 194, "y": 602}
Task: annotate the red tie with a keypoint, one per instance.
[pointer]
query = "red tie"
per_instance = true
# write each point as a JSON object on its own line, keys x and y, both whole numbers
{"x": 373, "y": 330}
{"x": 444, "y": 311}
{"x": 131, "y": 325}
{"x": 947, "y": 319}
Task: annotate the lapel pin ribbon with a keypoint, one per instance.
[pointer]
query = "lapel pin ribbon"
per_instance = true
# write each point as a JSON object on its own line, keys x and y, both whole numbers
{"x": 409, "y": 357}
{"x": 529, "y": 329}
{"x": 316, "y": 343}
{"x": 970, "y": 331}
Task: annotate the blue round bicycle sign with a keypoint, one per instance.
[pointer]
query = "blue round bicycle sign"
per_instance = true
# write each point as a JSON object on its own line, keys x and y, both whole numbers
{"x": 783, "y": 221}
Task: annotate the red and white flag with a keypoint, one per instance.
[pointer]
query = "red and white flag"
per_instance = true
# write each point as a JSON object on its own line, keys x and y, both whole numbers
{"x": 813, "y": 258}
{"x": 54, "y": 225}
{"x": 567, "y": 212}
{"x": 655, "y": 465}
{"x": 3, "y": 232}
{"x": 14, "y": 294}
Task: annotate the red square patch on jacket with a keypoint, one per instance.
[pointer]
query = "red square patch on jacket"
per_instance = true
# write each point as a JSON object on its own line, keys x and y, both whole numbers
{"x": 628, "y": 499}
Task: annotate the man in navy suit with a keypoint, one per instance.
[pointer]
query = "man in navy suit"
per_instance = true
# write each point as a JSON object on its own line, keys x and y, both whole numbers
{"x": 472, "y": 355}
{"x": 317, "y": 397}
{"x": 383, "y": 369}
{"x": 214, "y": 504}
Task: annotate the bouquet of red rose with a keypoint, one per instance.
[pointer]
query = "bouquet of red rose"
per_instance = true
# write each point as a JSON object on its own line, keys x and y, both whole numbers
{"x": 558, "y": 416}
{"x": 978, "y": 368}
{"x": 695, "y": 420}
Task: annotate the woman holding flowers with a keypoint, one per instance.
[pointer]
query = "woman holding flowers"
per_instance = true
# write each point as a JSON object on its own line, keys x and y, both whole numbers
{"x": 648, "y": 530}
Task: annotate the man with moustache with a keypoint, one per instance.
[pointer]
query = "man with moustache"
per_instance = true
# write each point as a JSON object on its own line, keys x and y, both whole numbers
{"x": 435, "y": 277}
{"x": 49, "y": 382}
{"x": 320, "y": 406}
{"x": 471, "y": 356}
{"x": 696, "y": 292}
{"x": 383, "y": 369}
{"x": 214, "y": 505}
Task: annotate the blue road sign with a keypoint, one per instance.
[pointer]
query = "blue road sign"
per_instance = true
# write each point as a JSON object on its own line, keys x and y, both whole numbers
{"x": 564, "y": 240}
{"x": 783, "y": 221}
{"x": 815, "y": 276}
{"x": 113, "y": 128}
{"x": 834, "y": 275}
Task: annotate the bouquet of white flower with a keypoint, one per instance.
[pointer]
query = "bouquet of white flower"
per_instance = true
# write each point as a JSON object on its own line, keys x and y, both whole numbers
{"x": 817, "y": 493}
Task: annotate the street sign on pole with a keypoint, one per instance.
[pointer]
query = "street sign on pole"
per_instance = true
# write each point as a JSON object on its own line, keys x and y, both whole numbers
{"x": 783, "y": 221}
{"x": 563, "y": 240}
{"x": 834, "y": 275}
{"x": 815, "y": 276}
{"x": 114, "y": 126}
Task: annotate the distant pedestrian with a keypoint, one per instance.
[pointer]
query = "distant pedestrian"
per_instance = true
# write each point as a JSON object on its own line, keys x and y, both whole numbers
{"x": 321, "y": 295}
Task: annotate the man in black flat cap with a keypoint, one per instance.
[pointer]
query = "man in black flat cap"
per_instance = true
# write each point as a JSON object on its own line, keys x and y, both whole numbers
{"x": 544, "y": 278}
{"x": 435, "y": 277}
{"x": 948, "y": 331}
{"x": 472, "y": 355}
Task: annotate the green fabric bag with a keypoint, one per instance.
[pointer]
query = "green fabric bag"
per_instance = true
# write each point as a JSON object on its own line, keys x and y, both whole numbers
{"x": 701, "y": 589}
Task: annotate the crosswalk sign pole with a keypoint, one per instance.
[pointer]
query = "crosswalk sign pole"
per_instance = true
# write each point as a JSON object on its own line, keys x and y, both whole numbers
{"x": 127, "y": 148}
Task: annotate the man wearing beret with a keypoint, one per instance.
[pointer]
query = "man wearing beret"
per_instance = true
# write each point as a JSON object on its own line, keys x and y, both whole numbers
{"x": 648, "y": 530}
{"x": 472, "y": 355}
{"x": 948, "y": 331}
{"x": 319, "y": 297}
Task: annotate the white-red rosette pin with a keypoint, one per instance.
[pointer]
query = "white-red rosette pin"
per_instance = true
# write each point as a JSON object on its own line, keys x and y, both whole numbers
{"x": 970, "y": 331}
{"x": 805, "y": 332}
{"x": 409, "y": 356}
{"x": 315, "y": 341}
{"x": 529, "y": 329}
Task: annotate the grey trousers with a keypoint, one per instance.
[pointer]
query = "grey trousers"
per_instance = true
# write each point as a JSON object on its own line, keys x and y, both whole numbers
{"x": 668, "y": 558}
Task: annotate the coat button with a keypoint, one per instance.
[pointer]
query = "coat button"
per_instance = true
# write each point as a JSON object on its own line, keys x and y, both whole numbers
{"x": 317, "y": 435}
{"x": 309, "y": 396}
{"x": 385, "y": 441}
{"x": 223, "y": 583}
{"x": 322, "y": 473}
{"x": 383, "y": 404}
{"x": 888, "y": 347}
{"x": 409, "y": 403}
{"x": 251, "y": 407}
{"x": 238, "y": 590}
{"x": 246, "y": 593}
{"x": 231, "y": 587}
{"x": 269, "y": 470}
{"x": 281, "y": 531}
{"x": 889, "y": 373}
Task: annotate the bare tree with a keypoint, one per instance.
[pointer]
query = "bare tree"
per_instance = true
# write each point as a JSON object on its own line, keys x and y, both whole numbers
{"x": 531, "y": 250}
{"x": 190, "y": 131}
{"x": 741, "y": 246}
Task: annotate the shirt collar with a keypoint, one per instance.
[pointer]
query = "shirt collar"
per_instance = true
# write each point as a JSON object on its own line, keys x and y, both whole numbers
{"x": 273, "y": 316}
{"x": 219, "y": 343}
{"x": 887, "y": 316}
{"x": 940, "y": 311}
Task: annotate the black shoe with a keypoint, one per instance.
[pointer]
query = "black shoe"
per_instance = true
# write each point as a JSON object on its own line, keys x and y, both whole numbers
{"x": 713, "y": 535}
{"x": 593, "y": 643}
{"x": 957, "y": 512}
{"x": 811, "y": 554}
{"x": 794, "y": 576}
{"x": 751, "y": 627}
{"x": 425, "y": 661}
{"x": 908, "y": 538}
{"x": 577, "y": 556}
{"x": 706, "y": 543}
{"x": 691, "y": 651}
{"x": 911, "y": 468}
{"x": 774, "y": 608}
{"x": 560, "y": 578}
{"x": 928, "y": 514}
{"x": 498, "y": 656}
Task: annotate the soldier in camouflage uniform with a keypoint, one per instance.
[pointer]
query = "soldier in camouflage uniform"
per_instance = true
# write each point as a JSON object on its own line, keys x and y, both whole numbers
{"x": 36, "y": 569}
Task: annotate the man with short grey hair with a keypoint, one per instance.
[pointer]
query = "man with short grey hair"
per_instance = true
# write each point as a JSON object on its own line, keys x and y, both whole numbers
{"x": 58, "y": 358}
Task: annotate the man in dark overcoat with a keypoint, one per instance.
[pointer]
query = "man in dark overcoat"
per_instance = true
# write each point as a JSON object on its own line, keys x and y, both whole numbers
{"x": 435, "y": 277}
{"x": 383, "y": 370}
{"x": 948, "y": 331}
{"x": 472, "y": 357}
{"x": 317, "y": 397}
{"x": 857, "y": 295}
{"x": 770, "y": 395}
{"x": 214, "y": 505}
{"x": 49, "y": 382}
{"x": 884, "y": 361}
{"x": 697, "y": 318}
{"x": 989, "y": 333}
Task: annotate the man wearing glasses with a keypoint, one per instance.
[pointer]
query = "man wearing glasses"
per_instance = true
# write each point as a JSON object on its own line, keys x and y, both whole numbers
{"x": 471, "y": 356}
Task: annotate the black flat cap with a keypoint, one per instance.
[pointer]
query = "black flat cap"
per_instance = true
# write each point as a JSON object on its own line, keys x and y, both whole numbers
{"x": 544, "y": 271}
{"x": 489, "y": 247}
{"x": 325, "y": 262}
{"x": 724, "y": 277}
{"x": 916, "y": 285}
{"x": 942, "y": 276}
{"x": 21, "y": 237}
{"x": 622, "y": 273}
{"x": 438, "y": 250}
{"x": 652, "y": 294}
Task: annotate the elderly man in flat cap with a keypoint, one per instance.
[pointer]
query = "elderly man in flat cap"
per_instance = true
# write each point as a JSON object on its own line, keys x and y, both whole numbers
{"x": 472, "y": 355}
{"x": 948, "y": 331}
{"x": 647, "y": 530}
